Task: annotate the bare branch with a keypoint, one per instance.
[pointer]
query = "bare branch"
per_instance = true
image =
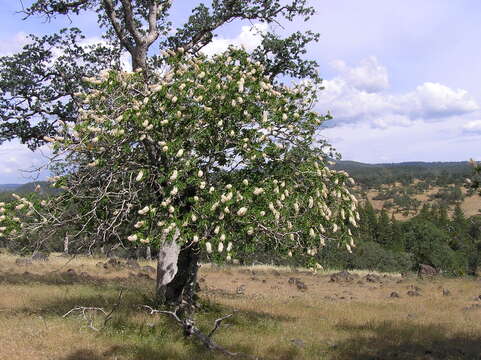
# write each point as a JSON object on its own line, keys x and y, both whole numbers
{"x": 188, "y": 325}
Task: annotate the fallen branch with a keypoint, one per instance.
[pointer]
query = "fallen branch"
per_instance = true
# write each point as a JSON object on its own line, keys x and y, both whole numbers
{"x": 86, "y": 312}
{"x": 188, "y": 325}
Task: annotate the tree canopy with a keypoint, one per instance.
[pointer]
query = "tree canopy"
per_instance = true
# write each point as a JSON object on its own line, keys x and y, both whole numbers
{"x": 37, "y": 84}
{"x": 211, "y": 154}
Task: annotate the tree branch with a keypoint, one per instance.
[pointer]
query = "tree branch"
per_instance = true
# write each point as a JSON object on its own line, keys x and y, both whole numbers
{"x": 188, "y": 325}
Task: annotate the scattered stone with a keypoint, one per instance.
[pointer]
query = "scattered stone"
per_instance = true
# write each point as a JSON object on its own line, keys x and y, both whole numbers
{"x": 372, "y": 278}
{"x": 343, "y": 276}
{"x": 23, "y": 262}
{"x": 241, "y": 290}
{"x": 149, "y": 269}
{"x": 413, "y": 293}
{"x": 446, "y": 292}
{"x": 394, "y": 294}
{"x": 39, "y": 256}
{"x": 472, "y": 307}
{"x": 113, "y": 263}
{"x": 298, "y": 342}
{"x": 132, "y": 264}
{"x": 414, "y": 287}
{"x": 426, "y": 271}
{"x": 301, "y": 286}
{"x": 144, "y": 276}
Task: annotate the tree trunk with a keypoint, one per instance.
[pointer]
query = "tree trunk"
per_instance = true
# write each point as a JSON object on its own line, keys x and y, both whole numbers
{"x": 166, "y": 268}
{"x": 65, "y": 245}
{"x": 180, "y": 289}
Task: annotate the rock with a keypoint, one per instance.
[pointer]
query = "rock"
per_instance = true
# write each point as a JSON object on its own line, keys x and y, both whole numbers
{"x": 472, "y": 307}
{"x": 343, "y": 276}
{"x": 413, "y": 293}
{"x": 426, "y": 271}
{"x": 99, "y": 264}
{"x": 144, "y": 276}
{"x": 71, "y": 272}
{"x": 23, "y": 262}
{"x": 113, "y": 264}
{"x": 301, "y": 286}
{"x": 446, "y": 292}
{"x": 372, "y": 278}
{"x": 298, "y": 342}
{"x": 240, "y": 290}
{"x": 39, "y": 256}
{"x": 132, "y": 264}
{"x": 394, "y": 294}
{"x": 414, "y": 287}
{"x": 149, "y": 269}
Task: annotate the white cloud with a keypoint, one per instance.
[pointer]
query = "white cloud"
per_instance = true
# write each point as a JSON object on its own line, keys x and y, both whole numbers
{"x": 359, "y": 94}
{"x": 432, "y": 100}
{"x": 250, "y": 37}
{"x": 14, "y": 44}
{"x": 369, "y": 76}
{"x": 473, "y": 126}
{"x": 421, "y": 141}
{"x": 18, "y": 163}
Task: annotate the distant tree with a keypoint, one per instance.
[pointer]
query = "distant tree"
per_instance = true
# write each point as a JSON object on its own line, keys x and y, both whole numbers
{"x": 383, "y": 229}
{"x": 396, "y": 242}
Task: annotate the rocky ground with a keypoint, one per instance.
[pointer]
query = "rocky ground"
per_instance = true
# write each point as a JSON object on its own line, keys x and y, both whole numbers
{"x": 278, "y": 313}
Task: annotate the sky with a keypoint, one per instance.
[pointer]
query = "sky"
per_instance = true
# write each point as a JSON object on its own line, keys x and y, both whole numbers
{"x": 401, "y": 77}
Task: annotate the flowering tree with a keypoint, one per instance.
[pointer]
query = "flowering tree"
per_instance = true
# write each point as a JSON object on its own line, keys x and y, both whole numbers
{"x": 210, "y": 158}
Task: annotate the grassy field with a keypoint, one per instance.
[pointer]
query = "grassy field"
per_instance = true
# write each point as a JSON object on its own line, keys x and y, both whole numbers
{"x": 276, "y": 318}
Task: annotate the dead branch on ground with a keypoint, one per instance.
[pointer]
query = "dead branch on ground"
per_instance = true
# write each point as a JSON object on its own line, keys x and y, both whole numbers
{"x": 191, "y": 330}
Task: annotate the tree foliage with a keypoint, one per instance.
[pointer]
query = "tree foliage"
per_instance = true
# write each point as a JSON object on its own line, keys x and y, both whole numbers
{"x": 38, "y": 83}
{"x": 212, "y": 154}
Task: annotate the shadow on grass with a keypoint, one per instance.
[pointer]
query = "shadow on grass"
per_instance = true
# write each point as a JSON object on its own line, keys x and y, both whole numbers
{"x": 66, "y": 278}
{"x": 182, "y": 350}
{"x": 405, "y": 340}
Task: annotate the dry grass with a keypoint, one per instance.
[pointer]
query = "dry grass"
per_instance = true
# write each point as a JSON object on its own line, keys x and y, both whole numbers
{"x": 275, "y": 320}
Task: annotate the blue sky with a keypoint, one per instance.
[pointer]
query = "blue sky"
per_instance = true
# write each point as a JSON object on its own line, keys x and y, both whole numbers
{"x": 401, "y": 76}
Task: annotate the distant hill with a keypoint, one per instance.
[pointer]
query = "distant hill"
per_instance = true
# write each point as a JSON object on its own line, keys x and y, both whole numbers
{"x": 45, "y": 188}
{"x": 8, "y": 187}
{"x": 373, "y": 175}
